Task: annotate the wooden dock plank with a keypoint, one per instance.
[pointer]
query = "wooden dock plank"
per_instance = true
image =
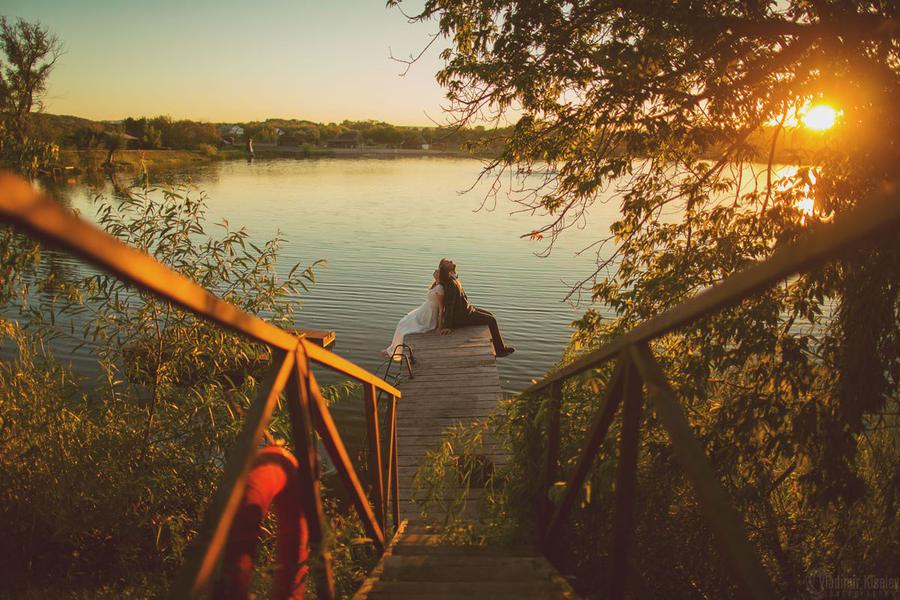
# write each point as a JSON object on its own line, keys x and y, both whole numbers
{"x": 455, "y": 381}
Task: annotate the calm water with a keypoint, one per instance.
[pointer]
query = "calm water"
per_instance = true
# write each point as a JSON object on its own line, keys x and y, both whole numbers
{"x": 382, "y": 225}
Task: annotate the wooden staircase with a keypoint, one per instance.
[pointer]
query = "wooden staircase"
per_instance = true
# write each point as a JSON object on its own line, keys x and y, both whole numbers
{"x": 419, "y": 564}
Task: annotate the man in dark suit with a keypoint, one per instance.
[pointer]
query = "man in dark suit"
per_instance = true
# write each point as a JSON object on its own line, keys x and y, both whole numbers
{"x": 459, "y": 313}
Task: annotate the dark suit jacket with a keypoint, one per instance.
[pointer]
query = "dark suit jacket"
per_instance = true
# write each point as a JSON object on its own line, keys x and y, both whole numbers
{"x": 456, "y": 304}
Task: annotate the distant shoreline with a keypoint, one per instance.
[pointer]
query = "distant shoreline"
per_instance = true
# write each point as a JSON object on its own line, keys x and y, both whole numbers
{"x": 273, "y": 150}
{"x": 81, "y": 161}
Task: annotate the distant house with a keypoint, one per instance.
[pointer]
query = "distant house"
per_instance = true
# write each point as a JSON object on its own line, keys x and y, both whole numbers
{"x": 348, "y": 139}
{"x": 232, "y": 130}
{"x": 123, "y": 140}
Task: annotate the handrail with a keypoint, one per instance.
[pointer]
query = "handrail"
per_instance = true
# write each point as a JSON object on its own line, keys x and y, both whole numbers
{"x": 41, "y": 216}
{"x": 636, "y": 368}
{"x": 871, "y": 220}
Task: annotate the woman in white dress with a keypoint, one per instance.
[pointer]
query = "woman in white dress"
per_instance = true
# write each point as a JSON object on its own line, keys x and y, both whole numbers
{"x": 426, "y": 317}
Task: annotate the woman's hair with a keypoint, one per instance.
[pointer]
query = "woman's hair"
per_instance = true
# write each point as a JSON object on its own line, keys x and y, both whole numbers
{"x": 444, "y": 271}
{"x": 436, "y": 280}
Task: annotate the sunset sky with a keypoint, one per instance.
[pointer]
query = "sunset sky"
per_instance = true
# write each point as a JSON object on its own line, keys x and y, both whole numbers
{"x": 226, "y": 60}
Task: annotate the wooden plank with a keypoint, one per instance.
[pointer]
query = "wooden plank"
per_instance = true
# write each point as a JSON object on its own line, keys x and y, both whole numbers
{"x": 441, "y": 397}
{"x": 449, "y": 408}
{"x": 297, "y": 393}
{"x": 486, "y": 374}
{"x": 873, "y": 219}
{"x": 366, "y": 587}
{"x": 318, "y": 336}
{"x": 437, "y": 343}
{"x": 440, "y": 406}
{"x": 373, "y": 437}
{"x": 438, "y": 548}
{"x": 416, "y": 445}
{"x": 432, "y": 355}
{"x": 422, "y": 391}
{"x": 421, "y": 387}
{"x": 391, "y": 456}
{"x": 415, "y": 451}
{"x": 470, "y": 368}
{"x": 441, "y": 420}
{"x": 207, "y": 545}
{"x": 495, "y": 590}
{"x": 395, "y": 483}
{"x": 479, "y": 568}
{"x": 725, "y": 520}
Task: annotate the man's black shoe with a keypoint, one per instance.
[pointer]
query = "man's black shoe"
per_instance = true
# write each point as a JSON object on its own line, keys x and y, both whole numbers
{"x": 506, "y": 352}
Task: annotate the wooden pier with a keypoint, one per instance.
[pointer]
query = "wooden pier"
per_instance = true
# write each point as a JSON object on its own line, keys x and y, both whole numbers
{"x": 455, "y": 380}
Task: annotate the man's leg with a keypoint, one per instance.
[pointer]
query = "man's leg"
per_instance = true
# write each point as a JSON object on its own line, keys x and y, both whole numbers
{"x": 484, "y": 317}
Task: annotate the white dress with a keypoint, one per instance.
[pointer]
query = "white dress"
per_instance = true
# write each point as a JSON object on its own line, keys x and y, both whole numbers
{"x": 419, "y": 320}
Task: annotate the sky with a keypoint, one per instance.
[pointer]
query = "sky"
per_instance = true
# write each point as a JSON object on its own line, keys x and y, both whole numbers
{"x": 235, "y": 61}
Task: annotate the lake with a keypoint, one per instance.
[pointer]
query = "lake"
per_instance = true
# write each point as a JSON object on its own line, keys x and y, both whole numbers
{"x": 382, "y": 225}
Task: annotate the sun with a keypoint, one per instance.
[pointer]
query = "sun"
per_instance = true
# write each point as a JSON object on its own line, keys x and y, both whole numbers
{"x": 820, "y": 117}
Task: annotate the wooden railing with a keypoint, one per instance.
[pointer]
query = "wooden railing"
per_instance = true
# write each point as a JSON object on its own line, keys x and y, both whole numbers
{"x": 289, "y": 372}
{"x": 636, "y": 368}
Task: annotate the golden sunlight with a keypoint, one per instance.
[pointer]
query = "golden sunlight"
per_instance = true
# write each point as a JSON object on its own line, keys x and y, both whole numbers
{"x": 806, "y": 204}
{"x": 820, "y": 117}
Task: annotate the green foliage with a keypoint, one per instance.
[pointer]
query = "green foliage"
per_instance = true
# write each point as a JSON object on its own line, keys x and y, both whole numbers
{"x": 794, "y": 393}
{"x": 105, "y": 478}
{"x": 30, "y": 52}
{"x": 148, "y": 132}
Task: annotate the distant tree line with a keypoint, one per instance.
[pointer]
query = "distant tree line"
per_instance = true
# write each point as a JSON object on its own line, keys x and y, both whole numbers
{"x": 161, "y": 132}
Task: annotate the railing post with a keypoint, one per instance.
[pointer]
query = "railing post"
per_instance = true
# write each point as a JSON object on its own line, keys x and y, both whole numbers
{"x": 725, "y": 520}
{"x": 298, "y": 394}
{"x": 551, "y": 464}
{"x": 207, "y": 545}
{"x": 376, "y": 480}
{"x": 626, "y": 482}
{"x": 391, "y": 465}
{"x": 588, "y": 453}
{"x": 346, "y": 473}
{"x": 395, "y": 476}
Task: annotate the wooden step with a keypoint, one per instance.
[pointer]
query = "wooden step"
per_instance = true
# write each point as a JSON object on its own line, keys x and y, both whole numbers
{"x": 419, "y": 564}
{"x": 469, "y": 590}
{"x": 438, "y": 548}
{"x": 449, "y": 568}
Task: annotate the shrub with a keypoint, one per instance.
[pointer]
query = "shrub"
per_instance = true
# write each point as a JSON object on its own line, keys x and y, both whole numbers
{"x": 106, "y": 478}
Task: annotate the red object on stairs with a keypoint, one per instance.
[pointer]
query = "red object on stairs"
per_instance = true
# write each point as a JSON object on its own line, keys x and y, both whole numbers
{"x": 273, "y": 481}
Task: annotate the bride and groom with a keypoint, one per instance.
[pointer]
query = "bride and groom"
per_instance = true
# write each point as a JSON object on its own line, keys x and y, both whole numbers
{"x": 446, "y": 306}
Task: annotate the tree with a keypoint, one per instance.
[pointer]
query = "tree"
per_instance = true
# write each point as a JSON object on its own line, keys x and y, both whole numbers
{"x": 30, "y": 51}
{"x": 661, "y": 108}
